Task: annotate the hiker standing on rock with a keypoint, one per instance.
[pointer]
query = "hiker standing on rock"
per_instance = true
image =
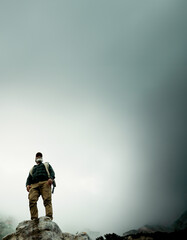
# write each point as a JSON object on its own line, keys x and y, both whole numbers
{"x": 39, "y": 182}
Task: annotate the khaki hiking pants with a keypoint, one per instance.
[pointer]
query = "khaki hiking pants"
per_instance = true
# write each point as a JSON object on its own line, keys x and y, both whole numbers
{"x": 37, "y": 189}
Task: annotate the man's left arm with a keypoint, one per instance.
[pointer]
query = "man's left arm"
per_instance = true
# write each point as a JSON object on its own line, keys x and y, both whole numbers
{"x": 52, "y": 175}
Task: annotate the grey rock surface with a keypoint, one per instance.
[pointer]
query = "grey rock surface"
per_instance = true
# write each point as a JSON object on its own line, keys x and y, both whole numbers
{"x": 42, "y": 229}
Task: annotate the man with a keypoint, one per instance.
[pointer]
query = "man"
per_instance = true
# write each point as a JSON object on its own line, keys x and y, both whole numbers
{"x": 39, "y": 183}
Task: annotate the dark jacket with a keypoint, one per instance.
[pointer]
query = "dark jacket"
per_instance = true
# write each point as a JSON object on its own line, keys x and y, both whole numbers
{"x": 39, "y": 174}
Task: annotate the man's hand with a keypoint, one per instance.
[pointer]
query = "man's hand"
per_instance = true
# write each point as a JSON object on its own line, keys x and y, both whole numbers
{"x": 50, "y": 181}
{"x": 28, "y": 188}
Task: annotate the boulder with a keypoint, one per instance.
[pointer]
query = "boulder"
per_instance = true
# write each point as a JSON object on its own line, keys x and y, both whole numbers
{"x": 42, "y": 229}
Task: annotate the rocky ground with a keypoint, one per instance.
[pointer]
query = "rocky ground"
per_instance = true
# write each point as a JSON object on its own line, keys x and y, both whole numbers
{"x": 42, "y": 229}
{"x": 45, "y": 229}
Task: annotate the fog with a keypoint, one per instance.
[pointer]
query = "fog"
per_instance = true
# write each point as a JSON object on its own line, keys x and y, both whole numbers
{"x": 99, "y": 87}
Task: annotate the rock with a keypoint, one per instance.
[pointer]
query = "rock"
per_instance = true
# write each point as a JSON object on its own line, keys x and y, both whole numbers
{"x": 80, "y": 236}
{"x": 92, "y": 234}
{"x": 42, "y": 229}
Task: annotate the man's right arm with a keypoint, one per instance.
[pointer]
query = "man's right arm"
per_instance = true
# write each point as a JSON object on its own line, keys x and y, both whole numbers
{"x": 28, "y": 182}
{"x": 28, "y": 188}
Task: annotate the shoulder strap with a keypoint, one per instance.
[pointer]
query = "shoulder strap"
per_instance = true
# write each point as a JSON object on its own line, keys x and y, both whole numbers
{"x": 31, "y": 171}
{"x": 46, "y": 164}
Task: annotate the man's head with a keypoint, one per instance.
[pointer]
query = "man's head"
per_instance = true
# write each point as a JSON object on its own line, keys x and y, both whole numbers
{"x": 39, "y": 157}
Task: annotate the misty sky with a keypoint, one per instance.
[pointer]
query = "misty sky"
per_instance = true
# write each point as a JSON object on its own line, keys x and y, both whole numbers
{"x": 99, "y": 87}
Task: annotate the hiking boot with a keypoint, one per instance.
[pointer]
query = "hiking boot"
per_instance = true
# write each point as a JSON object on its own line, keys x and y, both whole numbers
{"x": 51, "y": 218}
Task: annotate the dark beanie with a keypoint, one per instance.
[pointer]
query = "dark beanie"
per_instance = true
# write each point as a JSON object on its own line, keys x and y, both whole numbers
{"x": 38, "y": 154}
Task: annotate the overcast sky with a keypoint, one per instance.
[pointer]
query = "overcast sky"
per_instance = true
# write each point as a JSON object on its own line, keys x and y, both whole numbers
{"x": 99, "y": 87}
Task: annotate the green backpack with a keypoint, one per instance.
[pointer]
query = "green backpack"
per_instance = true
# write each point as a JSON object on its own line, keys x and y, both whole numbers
{"x": 46, "y": 164}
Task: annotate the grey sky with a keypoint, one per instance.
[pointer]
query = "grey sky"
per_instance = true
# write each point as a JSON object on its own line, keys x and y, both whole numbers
{"x": 100, "y": 88}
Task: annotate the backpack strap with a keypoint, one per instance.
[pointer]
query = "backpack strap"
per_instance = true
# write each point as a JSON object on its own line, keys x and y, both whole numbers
{"x": 46, "y": 164}
{"x": 31, "y": 171}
